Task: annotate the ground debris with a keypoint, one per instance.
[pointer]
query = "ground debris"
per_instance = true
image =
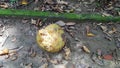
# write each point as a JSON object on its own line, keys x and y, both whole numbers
{"x": 85, "y": 49}
{"x": 88, "y": 32}
{"x": 4, "y": 5}
{"x": 33, "y": 21}
{"x": 104, "y": 28}
{"x": 70, "y": 23}
{"x": 62, "y": 2}
{"x": 97, "y": 60}
{"x": 7, "y": 51}
{"x": 28, "y": 65}
{"x": 105, "y": 14}
{"x": 13, "y": 58}
{"x": 44, "y": 65}
{"x": 4, "y": 51}
{"x": 112, "y": 31}
{"x": 99, "y": 53}
{"x": 32, "y": 52}
{"x": 54, "y": 61}
{"x": 67, "y": 53}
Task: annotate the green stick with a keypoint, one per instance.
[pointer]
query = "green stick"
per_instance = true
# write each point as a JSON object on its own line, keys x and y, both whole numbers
{"x": 31, "y": 13}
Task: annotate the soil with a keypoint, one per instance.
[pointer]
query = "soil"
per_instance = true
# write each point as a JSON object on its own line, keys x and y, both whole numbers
{"x": 22, "y": 33}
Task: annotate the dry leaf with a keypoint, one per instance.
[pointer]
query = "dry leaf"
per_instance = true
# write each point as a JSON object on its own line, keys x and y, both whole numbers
{"x": 33, "y": 21}
{"x": 86, "y": 49}
{"x": 62, "y": 2}
{"x": 5, "y": 5}
{"x": 90, "y": 34}
{"x": 13, "y": 58}
{"x": 44, "y": 65}
{"x": 112, "y": 31}
{"x": 70, "y": 23}
{"x": 67, "y": 53}
{"x": 104, "y": 28}
{"x": 55, "y": 61}
{"x": 29, "y": 65}
{"x": 4, "y": 51}
{"x": 106, "y": 14}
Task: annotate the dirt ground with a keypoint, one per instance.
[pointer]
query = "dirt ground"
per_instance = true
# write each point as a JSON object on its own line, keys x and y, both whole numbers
{"x": 20, "y": 35}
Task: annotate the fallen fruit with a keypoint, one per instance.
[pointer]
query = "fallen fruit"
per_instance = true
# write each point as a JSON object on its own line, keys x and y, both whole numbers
{"x": 51, "y": 38}
{"x": 108, "y": 57}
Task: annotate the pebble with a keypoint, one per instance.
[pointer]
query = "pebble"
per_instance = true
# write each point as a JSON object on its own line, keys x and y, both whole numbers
{"x": 60, "y": 23}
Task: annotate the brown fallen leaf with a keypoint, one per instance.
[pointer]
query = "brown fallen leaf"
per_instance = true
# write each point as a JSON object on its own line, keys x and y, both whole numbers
{"x": 55, "y": 61}
{"x": 104, "y": 28}
{"x": 67, "y": 53}
{"x": 112, "y": 31}
{"x": 4, "y": 51}
{"x": 86, "y": 49}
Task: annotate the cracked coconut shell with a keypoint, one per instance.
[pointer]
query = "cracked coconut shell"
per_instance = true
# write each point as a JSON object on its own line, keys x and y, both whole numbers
{"x": 51, "y": 38}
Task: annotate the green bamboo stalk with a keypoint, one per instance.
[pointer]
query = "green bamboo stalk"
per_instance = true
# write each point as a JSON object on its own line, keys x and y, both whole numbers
{"x": 32, "y": 13}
